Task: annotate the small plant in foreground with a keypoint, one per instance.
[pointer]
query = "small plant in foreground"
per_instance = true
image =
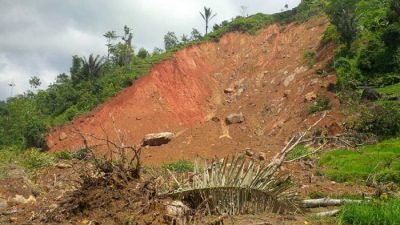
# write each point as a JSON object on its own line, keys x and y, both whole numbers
{"x": 322, "y": 103}
{"x": 180, "y": 166}
{"x": 298, "y": 151}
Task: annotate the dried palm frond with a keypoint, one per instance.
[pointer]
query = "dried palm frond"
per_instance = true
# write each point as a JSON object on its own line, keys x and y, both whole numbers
{"x": 236, "y": 185}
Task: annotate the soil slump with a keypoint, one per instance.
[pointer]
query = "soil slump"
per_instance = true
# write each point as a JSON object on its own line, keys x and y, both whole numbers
{"x": 267, "y": 76}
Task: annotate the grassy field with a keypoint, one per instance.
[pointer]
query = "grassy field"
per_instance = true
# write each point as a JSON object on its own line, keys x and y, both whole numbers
{"x": 382, "y": 160}
{"x": 371, "y": 213}
{"x": 390, "y": 90}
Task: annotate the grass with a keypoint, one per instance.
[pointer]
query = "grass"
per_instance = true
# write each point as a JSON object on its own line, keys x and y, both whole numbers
{"x": 30, "y": 160}
{"x": 382, "y": 160}
{"x": 180, "y": 166}
{"x": 371, "y": 213}
{"x": 297, "y": 152}
{"x": 390, "y": 90}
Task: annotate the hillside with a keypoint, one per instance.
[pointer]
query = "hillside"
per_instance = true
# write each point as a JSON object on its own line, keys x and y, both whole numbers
{"x": 269, "y": 75}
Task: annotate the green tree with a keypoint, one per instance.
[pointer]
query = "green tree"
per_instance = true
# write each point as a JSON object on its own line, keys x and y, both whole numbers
{"x": 343, "y": 15}
{"x": 207, "y": 16}
{"x": 157, "y": 51}
{"x": 92, "y": 66}
{"x": 195, "y": 35}
{"x": 35, "y": 82}
{"x": 110, "y": 36}
{"x": 184, "y": 39}
{"x": 170, "y": 41}
{"x": 142, "y": 53}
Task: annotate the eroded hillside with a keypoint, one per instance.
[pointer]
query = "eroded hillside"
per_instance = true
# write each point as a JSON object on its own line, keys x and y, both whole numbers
{"x": 266, "y": 77}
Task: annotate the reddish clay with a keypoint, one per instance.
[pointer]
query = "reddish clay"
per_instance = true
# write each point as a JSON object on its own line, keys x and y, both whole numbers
{"x": 270, "y": 77}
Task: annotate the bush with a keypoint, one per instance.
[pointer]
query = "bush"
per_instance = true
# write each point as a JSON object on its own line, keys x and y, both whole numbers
{"x": 321, "y": 104}
{"x": 380, "y": 120}
{"x": 371, "y": 213}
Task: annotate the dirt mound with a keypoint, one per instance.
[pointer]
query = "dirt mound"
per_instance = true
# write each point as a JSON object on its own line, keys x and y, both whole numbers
{"x": 265, "y": 77}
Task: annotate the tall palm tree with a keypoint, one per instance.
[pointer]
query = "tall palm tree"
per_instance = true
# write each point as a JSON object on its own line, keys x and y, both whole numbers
{"x": 92, "y": 66}
{"x": 207, "y": 16}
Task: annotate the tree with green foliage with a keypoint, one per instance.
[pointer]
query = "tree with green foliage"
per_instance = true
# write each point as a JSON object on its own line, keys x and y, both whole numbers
{"x": 110, "y": 36}
{"x": 195, "y": 35}
{"x": 184, "y": 39}
{"x": 157, "y": 51}
{"x": 343, "y": 15}
{"x": 207, "y": 16}
{"x": 92, "y": 66}
{"x": 170, "y": 41}
{"x": 35, "y": 82}
{"x": 142, "y": 53}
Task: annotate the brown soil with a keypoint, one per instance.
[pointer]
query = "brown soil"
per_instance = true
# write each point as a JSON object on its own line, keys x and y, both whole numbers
{"x": 270, "y": 78}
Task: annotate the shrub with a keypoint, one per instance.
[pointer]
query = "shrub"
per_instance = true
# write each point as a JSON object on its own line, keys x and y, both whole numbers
{"x": 180, "y": 166}
{"x": 309, "y": 57}
{"x": 321, "y": 104}
{"x": 374, "y": 212}
{"x": 380, "y": 120}
{"x": 331, "y": 35}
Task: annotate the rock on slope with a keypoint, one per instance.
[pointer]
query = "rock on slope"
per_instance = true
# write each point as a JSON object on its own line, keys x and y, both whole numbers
{"x": 265, "y": 77}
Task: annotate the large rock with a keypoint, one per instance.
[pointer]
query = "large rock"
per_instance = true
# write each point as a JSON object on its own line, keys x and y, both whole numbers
{"x": 234, "y": 118}
{"x": 370, "y": 94}
{"x": 158, "y": 138}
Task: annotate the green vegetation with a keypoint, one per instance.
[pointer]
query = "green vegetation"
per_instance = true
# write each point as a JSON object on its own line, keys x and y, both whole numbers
{"x": 380, "y": 160}
{"x": 180, "y": 166}
{"x": 371, "y": 213}
{"x": 390, "y": 90}
{"x": 297, "y": 152}
{"x": 381, "y": 119}
{"x": 30, "y": 160}
{"x": 322, "y": 103}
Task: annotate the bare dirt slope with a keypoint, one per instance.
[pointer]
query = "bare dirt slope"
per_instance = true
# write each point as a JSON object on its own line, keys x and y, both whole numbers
{"x": 269, "y": 77}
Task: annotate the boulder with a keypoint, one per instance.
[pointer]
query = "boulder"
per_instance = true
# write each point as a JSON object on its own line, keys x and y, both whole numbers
{"x": 249, "y": 152}
{"x": 370, "y": 94}
{"x": 234, "y": 118}
{"x": 63, "y": 136}
{"x": 310, "y": 96}
{"x": 229, "y": 90}
{"x": 157, "y": 139}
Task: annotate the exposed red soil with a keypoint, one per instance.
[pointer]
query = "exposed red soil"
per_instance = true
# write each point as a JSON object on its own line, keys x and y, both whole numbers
{"x": 185, "y": 95}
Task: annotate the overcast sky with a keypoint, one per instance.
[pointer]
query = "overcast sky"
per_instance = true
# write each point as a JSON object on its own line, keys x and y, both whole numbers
{"x": 38, "y": 37}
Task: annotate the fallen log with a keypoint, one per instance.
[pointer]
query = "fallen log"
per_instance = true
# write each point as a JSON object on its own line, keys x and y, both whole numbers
{"x": 328, "y": 213}
{"x": 326, "y": 202}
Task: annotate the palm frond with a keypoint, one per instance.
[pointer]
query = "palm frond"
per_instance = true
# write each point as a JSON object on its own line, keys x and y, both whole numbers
{"x": 236, "y": 185}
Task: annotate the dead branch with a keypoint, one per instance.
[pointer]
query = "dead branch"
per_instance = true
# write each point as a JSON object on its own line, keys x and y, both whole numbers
{"x": 308, "y": 154}
{"x": 277, "y": 161}
{"x": 326, "y": 202}
{"x": 328, "y": 213}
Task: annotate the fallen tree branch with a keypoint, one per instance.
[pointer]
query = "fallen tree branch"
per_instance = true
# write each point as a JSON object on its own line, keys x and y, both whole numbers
{"x": 328, "y": 213}
{"x": 326, "y": 202}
